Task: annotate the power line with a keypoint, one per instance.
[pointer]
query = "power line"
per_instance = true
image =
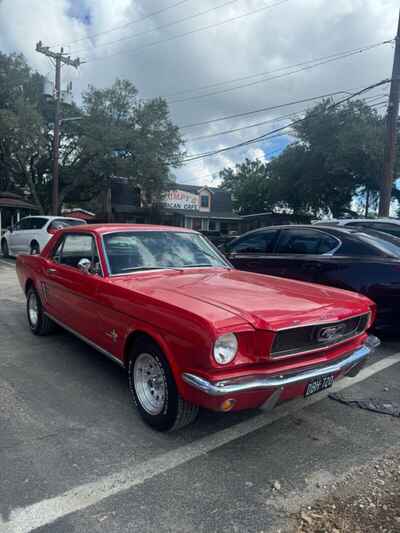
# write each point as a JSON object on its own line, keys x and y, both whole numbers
{"x": 130, "y": 23}
{"x": 280, "y": 69}
{"x": 162, "y": 27}
{"x": 269, "y": 121}
{"x": 265, "y": 136}
{"x": 204, "y": 28}
{"x": 262, "y": 109}
{"x": 279, "y": 76}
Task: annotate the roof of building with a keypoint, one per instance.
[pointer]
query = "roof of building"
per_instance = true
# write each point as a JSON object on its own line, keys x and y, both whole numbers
{"x": 8, "y": 199}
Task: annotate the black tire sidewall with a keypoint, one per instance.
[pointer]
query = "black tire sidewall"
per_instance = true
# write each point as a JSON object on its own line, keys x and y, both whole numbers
{"x": 166, "y": 419}
{"x": 35, "y": 329}
{"x": 35, "y": 248}
{"x": 4, "y": 248}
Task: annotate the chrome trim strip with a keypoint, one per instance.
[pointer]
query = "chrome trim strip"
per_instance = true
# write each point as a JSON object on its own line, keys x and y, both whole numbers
{"x": 320, "y": 322}
{"x": 85, "y": 339}
{"x": 254, "y": 383}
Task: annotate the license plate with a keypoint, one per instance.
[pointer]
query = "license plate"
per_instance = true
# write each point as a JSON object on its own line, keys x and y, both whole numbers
{"x": 318, "y": 384}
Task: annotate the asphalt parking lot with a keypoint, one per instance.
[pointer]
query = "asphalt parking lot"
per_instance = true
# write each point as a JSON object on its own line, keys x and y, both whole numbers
{"x": 75, "y": 457}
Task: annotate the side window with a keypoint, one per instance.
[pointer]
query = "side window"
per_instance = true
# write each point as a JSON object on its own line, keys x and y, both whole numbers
{"x": 303, "y": 241}
{"x": 258, "y": 243}
{"x": 74, "y": 247}
{"x": 328, "y": 244}
{"x": 38, "y": 223}
{"x": 26, "y": 223}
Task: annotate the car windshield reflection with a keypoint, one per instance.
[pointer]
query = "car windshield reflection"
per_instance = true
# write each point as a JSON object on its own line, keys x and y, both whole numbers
{"x": 133, "y": 251}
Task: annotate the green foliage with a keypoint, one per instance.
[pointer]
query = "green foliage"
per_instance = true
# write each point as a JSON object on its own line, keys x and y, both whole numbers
{"x": 338, "y": 153}
{"x": 117, "y": 134}
{"x": 249, "y": 184}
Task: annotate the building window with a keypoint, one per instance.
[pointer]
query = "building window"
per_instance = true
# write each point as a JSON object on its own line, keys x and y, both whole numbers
{"x": 204, "y": 201}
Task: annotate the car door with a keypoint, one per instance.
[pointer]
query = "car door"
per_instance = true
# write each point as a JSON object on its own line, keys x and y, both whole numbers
{"x": 19, "y": 236}
{"x": 251, "y": 251}
{"x": 300, "y": 252}
{"x": 71, "y": 294}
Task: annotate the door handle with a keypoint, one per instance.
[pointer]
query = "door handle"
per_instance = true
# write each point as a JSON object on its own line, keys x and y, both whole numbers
{"x": 51, "y": 270}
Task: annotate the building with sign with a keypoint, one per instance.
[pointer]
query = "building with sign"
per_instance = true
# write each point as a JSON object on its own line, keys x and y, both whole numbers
{"x": 206, "y": 209}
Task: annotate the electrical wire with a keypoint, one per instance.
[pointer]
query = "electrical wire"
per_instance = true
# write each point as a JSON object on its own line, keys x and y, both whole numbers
{"x": 280, "y": 69}
{"x": 279, "y": 76}
{"x": 267, "y": 135}
{"x": 116, "y": 28}
{"x": 162, "y": 27}
{"x": 262, "y": 109}
{"x": 174, "y": 37}
{"x": 269, "y": 121}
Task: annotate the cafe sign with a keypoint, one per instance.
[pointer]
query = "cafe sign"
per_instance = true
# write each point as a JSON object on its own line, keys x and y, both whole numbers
{"x": 177, "y": 199}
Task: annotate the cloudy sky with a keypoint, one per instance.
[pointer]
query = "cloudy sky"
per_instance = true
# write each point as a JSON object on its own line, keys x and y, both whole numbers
{"x": 213, "y": 59}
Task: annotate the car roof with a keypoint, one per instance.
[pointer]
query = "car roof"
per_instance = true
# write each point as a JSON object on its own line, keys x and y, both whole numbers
{"x": 101, "y": 229}
{"x": 328, "y": 228}
{"x": 351, "y": 220}
{"x": 53, "y": 217}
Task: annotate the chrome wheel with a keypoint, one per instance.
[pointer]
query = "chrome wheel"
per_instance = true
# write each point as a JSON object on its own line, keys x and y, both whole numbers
{"x": 33, "y": 309}
{"x": 149, "y": 383}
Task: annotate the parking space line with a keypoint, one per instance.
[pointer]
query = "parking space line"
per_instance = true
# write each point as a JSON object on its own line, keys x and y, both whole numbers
{"x": 24, "y": 520}
{"x": 7, "y": 263}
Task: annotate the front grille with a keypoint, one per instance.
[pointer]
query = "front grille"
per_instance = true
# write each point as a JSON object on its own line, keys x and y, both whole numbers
{"x": 308, "y": 338}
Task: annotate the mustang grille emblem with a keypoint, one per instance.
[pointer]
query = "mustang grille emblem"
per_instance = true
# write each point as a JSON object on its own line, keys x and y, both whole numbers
{"x": 331, "y": 333}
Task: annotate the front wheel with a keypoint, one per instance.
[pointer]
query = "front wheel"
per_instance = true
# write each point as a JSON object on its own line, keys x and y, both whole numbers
{"x": 4, "y": 248}
{"x": 39, "y": 323}
{"x": 154, "y": 391}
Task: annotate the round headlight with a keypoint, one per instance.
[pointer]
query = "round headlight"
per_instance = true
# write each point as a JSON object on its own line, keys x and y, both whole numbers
{"x": 225, "y": 348}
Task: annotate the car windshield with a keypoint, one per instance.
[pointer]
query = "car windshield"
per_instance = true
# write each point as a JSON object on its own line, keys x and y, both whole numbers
{"x": 385, "y": 243}
{"x": 148, "y": 250}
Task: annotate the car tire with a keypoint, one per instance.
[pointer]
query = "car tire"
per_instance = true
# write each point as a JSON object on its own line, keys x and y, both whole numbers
{"x": 153, "y": 389}
{"x": 4, "y": 248}
{"x": 34, "y": 248}
{"x": 38, "y": 321}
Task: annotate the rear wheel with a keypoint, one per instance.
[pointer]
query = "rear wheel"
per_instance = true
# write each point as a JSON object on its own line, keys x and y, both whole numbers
{"x": 154, "y": 391}
{"x": 35, "y": 248}
{"x": 39, "y": 323}
{"x": 4, "y": 248}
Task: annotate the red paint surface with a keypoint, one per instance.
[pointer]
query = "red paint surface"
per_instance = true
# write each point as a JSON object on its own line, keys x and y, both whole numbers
{"x": 185, "y": 311}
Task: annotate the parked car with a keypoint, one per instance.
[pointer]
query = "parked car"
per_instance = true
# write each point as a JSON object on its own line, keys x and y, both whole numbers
{"x": 31, "y": 234}
{"x": 367, "y": 261}
{"x": 191, "y": 330}
{"x": 385, "y": 224}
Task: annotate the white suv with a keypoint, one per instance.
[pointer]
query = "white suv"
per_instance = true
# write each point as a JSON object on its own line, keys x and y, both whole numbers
{"x": 31, "y": 234}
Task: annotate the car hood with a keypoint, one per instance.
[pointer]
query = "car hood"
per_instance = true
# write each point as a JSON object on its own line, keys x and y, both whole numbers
{"x": 266, "y": 302}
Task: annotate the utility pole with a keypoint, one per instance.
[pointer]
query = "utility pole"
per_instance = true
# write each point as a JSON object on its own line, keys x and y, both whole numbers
{"x": 60, "y": 58}
{"x": 391, "y": 132}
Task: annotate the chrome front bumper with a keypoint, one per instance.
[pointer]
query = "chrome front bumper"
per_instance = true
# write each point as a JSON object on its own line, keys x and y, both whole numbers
{"x": 351, "y": 364}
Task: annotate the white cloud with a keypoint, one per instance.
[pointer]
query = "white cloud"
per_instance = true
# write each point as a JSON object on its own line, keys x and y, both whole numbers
{"x": 296, "y": 31}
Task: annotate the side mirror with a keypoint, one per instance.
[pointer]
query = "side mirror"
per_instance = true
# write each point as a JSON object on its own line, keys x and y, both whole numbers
{"x": 85, "y": 265}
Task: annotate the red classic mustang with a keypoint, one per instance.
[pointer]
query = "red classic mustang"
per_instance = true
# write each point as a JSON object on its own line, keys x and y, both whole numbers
{"x": 191, "y": 330}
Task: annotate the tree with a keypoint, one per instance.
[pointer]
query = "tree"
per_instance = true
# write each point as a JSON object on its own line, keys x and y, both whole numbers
{"x": 117, "y": 134}
{"x": 249, "y": 185}
{"x": 345, "y": 145}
